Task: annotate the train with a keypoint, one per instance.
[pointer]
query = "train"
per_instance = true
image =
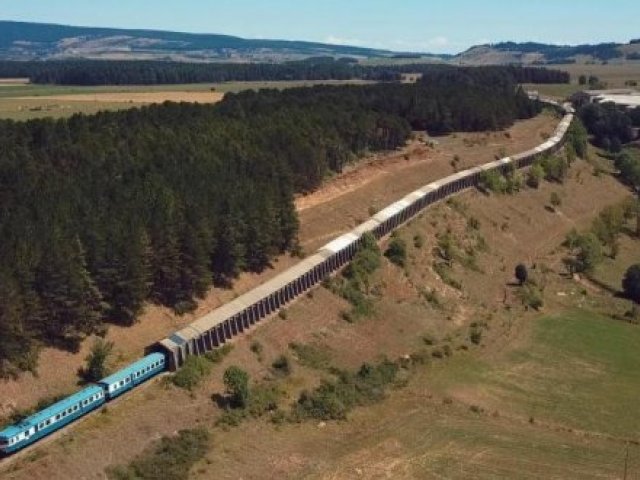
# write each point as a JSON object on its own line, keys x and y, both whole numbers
{"x": 69, "y": 409}
{"x": 231, "y": 319}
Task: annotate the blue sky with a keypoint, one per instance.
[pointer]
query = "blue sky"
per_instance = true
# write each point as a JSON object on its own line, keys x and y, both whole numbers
{"x": 443, "y": 26}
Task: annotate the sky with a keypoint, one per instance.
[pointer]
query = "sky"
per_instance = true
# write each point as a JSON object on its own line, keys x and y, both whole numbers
{"x": 438, "y": 26}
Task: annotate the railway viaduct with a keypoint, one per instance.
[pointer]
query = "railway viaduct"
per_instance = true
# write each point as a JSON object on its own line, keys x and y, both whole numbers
{"x": 233, "y": 318}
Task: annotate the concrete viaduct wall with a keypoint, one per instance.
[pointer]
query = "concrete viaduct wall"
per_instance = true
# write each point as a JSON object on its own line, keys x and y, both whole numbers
{"x": 233, "y": 318}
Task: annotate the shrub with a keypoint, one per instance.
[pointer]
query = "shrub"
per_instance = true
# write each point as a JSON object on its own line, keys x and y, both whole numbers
{"x": 332, "y": 400}
{"x": 429, "y": 340}
{"x": 171, "y": 458}
{"x": 217, "y": 355}
{"x": 97, "y": 362}
{"x": 555, "y": 168}
{"x": 475, "y": 335}
{"x": 631, "y": 283}
{"x": 193, "y": 370}
{"x": 444, "y": 272}
{"x": 555, "y": 200}
{"x": 397, "y": 252}
{"x": 185, "y": 306}
{"x": 418, "y": 241}
{"x": 492, "y": 181}
{"x": 256, "y": 347}
{"x": 586, "y": 252}
{"x": 282, "y": 365}
{"x": 531, "y": 297}
{"x": 521, "y": 273}
{"x": 236, "y": 382}
{"x": 473, "y": 223}
{"x": 263, "y": 399}
{"x": 535, "y": 175}
{"x": 282, "y": 314}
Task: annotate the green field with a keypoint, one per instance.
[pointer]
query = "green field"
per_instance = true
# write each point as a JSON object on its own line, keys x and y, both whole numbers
{"x": 577, "y": 369}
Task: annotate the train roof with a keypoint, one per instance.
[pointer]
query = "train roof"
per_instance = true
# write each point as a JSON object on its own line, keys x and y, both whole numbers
{"x": 134, "y": 367}
{"x": 50, "y": 411}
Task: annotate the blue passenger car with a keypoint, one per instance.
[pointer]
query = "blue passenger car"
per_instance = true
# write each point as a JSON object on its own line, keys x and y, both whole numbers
{"x": 133, "y": 375}
{"x": 50, "y": 419}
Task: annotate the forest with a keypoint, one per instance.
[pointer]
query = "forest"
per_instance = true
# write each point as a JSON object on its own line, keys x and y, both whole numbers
{"x": 610, "y": 125}
{"x": 101, "y": 214}
{"x": 100, "y": 72}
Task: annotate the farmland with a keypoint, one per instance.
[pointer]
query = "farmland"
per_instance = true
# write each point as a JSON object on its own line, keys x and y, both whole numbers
{"x": 22, "y": 101}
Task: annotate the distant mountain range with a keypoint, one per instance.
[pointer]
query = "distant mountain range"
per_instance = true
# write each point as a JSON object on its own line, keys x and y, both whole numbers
{"x": 39, "y": 41}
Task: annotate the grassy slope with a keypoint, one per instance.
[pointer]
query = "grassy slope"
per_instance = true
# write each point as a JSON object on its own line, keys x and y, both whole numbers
{"x": 577, "y": 368}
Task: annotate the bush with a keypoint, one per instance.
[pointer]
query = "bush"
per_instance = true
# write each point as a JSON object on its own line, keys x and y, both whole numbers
{"x": 397, "y": 252}
{"x": 97, "y": 362}
{"x": 535, "y": 175}
{"x": 184, "y": 307}
{"x": 256, "y": 347}
{"x": 492, "y": 181}
{"x": 194, "y": 369}
{"x": 531, "y": 297}
{"x": 282, "y": 365}
{"x": 418, "y": 241}
{"x": 171, "y": 458}
{"x": 473, "y": 223}
{"x": 354, "y": 284}
{"x": 475, "y": 335}
{"x": 217, "y": 355}
{"x": 586, "y": 252}
{"x": 236, "y": 382}
{"x": 631, "y": 283}
{"x": 555, "y": 168}
{"x": 332, "y": 400}
{"x": 263, "y": 399}
{"x": 555, "y": 200}
{"x": 522, "y": 273}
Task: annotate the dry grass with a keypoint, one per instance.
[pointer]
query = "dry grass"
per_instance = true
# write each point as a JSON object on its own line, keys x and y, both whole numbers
{"x": 135, "y": 97}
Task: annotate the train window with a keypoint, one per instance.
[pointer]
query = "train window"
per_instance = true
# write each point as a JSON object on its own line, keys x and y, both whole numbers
{"x": 121, "y": 382}
{"x": 58, "y": 417}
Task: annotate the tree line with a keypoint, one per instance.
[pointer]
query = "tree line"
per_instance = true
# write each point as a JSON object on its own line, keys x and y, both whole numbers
{"x": 100, "y": 214}
{"x": 103, "y": 72}
{"x": 610, "y": 125}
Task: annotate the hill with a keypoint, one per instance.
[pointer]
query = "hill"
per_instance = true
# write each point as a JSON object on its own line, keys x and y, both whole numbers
{"x": 39, "y": 41}
{"x": 532, "y": 53}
